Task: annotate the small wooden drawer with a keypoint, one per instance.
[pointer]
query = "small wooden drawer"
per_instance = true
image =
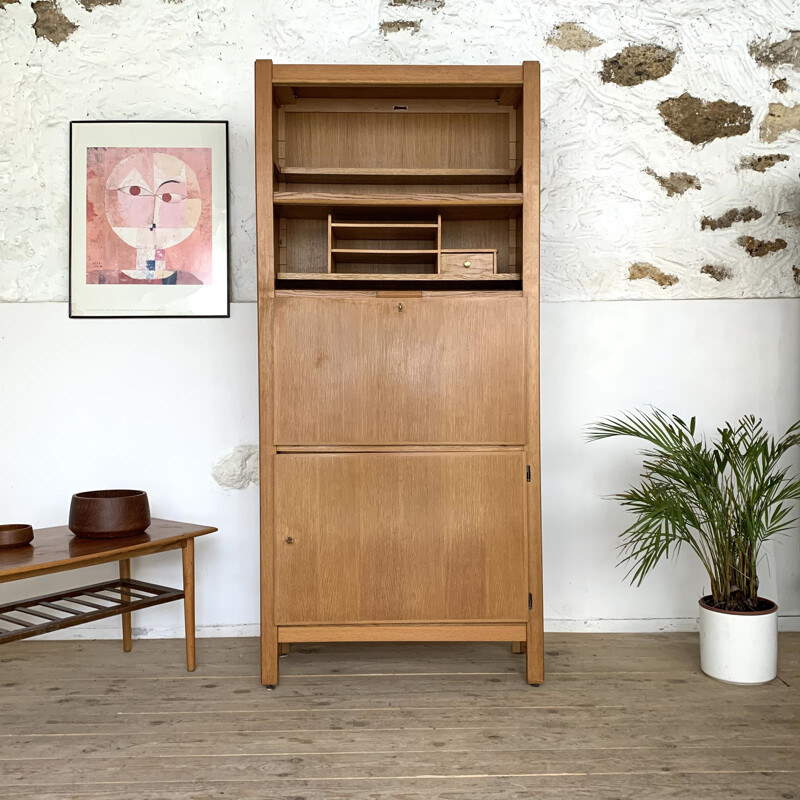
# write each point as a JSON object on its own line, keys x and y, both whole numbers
{"x": 469, "y": 262}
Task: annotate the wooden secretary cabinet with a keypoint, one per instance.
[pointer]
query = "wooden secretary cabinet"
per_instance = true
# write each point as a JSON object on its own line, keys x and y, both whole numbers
{"x": 398, "y": 302}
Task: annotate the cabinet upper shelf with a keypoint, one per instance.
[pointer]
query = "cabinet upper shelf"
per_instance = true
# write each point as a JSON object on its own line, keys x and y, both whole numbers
{"x": 398, "y": 277}
{"x": 393, "y": 175}
{"x": 475, "y": 205}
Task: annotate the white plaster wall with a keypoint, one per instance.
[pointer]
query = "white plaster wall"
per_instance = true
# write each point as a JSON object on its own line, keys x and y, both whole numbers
{"x": 712, "y": 359}
{"x": 152, "y": 59}
{"x": 83, "y": 407}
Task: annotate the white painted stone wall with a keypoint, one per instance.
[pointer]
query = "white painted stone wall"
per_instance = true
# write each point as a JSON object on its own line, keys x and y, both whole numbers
{"x": 601, "y": 212}
{"x": 164, "y": 419}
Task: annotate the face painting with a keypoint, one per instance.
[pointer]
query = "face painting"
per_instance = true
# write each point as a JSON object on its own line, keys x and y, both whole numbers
{"x": 152, "y": 202}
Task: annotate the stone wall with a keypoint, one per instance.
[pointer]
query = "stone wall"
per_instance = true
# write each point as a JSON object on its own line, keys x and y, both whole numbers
{"x": 670, "y": 130}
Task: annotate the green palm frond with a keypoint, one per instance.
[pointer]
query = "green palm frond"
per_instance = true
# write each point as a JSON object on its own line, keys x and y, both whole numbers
{"x": 723, "y": 499}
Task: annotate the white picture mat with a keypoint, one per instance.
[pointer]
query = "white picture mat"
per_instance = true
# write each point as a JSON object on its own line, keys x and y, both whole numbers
{"x": 94, "y": 300}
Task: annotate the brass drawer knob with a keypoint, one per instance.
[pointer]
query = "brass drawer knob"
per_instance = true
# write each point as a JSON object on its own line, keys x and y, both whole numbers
{"x": 289, "y": 540}
{"x": 467, "y": 263}
{"x": 399, "y": 306}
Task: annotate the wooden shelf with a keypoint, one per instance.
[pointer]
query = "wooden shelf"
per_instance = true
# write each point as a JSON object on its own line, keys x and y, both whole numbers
{"x": 394, "y": 175}
{"x": 465, "y": 206}
{"x": 398, "y": 200}
{"x": 353, "y": 256}
{"x": 397, "y": 276}
{"x": 377, "y": 231}
{"x": 76, "y": 606}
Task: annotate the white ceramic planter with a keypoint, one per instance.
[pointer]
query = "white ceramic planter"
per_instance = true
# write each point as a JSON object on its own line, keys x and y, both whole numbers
{"x": 738, "y": 647}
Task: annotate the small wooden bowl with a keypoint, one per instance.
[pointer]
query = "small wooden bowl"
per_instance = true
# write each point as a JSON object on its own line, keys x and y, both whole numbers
{"x": 15, "y": 535}
{"x": 109, "y": 513}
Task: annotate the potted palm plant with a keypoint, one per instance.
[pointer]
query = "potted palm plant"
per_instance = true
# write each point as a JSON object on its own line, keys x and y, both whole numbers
{"x": 722, "y": 498}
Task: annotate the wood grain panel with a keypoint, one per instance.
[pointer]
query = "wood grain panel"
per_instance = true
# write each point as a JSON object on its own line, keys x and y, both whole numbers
{"x": 431, "y": 278}
{"x": 409, "y": 371}
{"x": 393, "y": 448}
{"x": 530, "y": 288}
{"x": 334, "y": 292}
{"x": 317, "y": 203}
{"x": 421, "y": 186}
{"x": 393, "y": 537}
{"x": 458, "y": 632}
{"x": 403, "y": 139}
{"x": 267, "y": 247}
{"x": 306, "y": 245}
{"x": 393, "y": 76}
{"x": 367, "y": 175}
{"x": 395, "y": 105}
{"x": 57, "y": 549}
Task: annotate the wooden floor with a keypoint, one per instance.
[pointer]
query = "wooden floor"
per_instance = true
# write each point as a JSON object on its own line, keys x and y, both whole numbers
{"x": 620, "y": 716}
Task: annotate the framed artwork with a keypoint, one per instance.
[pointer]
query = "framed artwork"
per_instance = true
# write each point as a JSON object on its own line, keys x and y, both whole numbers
{"x": 149, "y": 219}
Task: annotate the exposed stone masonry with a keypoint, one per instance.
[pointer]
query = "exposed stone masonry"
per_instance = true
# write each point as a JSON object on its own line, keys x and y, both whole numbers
{"x": 641, "y": 270}
{"x": 700, "y": 121}
{"x": 637, "y": 64}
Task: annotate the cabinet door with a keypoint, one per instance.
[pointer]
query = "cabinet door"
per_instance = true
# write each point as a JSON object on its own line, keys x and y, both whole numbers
{"x": 400, "y": 537}
{"x": 399, "y": 371}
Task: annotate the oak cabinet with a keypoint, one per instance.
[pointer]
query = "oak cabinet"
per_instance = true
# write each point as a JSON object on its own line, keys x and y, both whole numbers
{"x": 398, "y": 307}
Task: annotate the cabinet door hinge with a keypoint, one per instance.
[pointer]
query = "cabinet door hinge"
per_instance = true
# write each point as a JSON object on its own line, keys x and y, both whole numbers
{"x": 528, "y": 473}
{"x": 530, "y": 601}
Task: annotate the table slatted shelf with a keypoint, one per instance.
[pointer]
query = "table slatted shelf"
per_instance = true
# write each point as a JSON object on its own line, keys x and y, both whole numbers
{"x": 120, "y": 596}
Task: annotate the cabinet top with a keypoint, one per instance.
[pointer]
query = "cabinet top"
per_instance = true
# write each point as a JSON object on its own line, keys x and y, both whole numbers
{"x": 382, "y": 74}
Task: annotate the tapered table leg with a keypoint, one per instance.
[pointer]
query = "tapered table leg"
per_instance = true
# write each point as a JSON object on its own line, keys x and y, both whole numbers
{"x": 188, "y": 602}
{"x": 125, "y": 574}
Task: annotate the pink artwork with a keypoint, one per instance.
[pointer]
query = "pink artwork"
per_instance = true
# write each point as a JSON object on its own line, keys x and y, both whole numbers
{"x": 148, "y": 215}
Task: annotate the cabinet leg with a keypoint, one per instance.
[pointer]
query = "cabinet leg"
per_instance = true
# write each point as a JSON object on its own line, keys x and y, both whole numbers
{"x": 534, "y": 651}
{"x": 518, "y": 647}
{"x": 188, "y": 602}
{"x": 270, "y": 650}
{"x": 125, "y": 574}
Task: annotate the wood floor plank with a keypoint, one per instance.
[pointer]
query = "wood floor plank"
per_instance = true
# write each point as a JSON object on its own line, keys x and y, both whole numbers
{"x": 165, "y": 654}
{"x": 299, "y": 693}
{"x": 613, "y": 735}
{"x": 393, "y": 764}
{"x": 675, "y": 786}
{"x": 566, "y": 653}
{"x": 676, "y": 719}
{"x": 620, "y": 717}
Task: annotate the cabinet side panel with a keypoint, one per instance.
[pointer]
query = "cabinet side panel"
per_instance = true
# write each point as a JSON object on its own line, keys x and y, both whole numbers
{"x": 400, "y": 537}
{"x": 400, "y": 371}
{"x": 264, "y": 118}
{"x": 530, "y": 287}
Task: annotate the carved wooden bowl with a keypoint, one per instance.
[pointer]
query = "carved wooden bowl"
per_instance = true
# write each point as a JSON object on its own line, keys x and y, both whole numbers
{"x": 109, "y": 513}
{"x": 15, "y": 535}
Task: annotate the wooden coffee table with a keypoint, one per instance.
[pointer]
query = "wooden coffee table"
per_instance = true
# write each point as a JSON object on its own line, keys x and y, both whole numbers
{"x": 57, "y": 549}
